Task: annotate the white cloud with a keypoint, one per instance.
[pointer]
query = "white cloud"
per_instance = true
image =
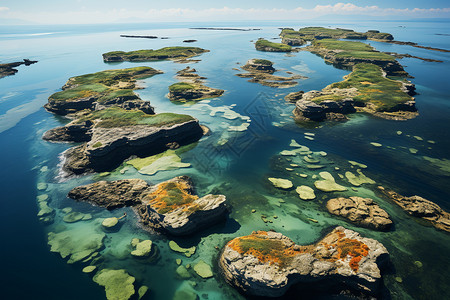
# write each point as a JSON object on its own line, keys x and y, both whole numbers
{"x": 2, "y": 8}
{"x": 222, "y": 14}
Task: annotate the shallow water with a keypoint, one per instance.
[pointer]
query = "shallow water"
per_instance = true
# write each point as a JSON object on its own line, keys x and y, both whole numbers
{"x": 238, "y": 168}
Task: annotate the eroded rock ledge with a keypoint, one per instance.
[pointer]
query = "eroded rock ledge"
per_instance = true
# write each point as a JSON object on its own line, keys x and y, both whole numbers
{"x": 361, "y": 211}
{"x": 170, "y": 206}
{"x": 9, "y": 69}
{"x": 421, "y": 208}
{"x": 268, "y": 263}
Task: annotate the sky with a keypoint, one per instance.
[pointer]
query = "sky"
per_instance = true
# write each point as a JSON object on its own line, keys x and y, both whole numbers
{"x": 112, "y": 11}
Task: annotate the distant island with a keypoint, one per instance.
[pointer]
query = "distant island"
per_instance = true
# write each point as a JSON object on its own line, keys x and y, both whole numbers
{"x": 9, "y": 69}
{"x": 171, "y": 53}
{"x": 219, "y": 28}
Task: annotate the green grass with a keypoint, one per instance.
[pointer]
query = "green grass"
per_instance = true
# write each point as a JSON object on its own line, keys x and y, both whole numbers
{"x": 313, "y": 33}
{"x": 101, "y": 85}
{"x": 260, "y": 44}
{"x": 373, "y": 87}
{"x": 328, "y": 98}
{"x": 264, "y": 62}
{"x": 352, "y": 49}
{"x": 159, "y": 54}
{"x": 118, "y": 117}
{"x": 180, "y": 87}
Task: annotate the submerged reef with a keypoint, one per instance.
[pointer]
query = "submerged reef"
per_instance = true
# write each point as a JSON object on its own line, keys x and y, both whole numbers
{"x": 267, "y": 263}
{"x": 112, "y": 122}
{"x": 261, "y": 71}
{"x": 171, "y": 206}
{"x": 172, "y": 53}
{"x": 421, "y": 208}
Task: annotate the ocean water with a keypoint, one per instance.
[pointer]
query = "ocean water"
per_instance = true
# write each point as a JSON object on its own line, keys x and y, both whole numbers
{"x": 236, "y": 164}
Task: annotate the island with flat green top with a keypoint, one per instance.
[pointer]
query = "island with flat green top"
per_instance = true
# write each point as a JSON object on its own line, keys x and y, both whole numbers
{"x": 292, "y": 37}
{"x": 267, "y": 46}
{"x": 112, "y": 122}
{"x": 365, "y": 89}
{"x": 167, "y": 53}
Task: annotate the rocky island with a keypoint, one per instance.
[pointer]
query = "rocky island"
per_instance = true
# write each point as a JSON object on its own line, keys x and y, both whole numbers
{"x": 365, "y": 89}
{"x": 265, "y": 45}
{"x": 172, "y": 53}
{"x": 9, "y": 69}
{"x": 267, "y": 263}
{"x": 170, "y": 206}
{"x": 191, "y": 89}
{"x": 113, "y": 122}
{"x": 361, "y": 211}
{"x": 261, "y": 71}
{"x": 421, "y": 208}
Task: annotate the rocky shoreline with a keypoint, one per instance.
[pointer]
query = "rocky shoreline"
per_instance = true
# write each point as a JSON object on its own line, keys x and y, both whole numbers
{"x": 167, "y": 53}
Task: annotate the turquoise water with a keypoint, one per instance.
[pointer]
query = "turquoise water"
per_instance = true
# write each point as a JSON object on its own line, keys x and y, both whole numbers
{"x": 239, "y": 168}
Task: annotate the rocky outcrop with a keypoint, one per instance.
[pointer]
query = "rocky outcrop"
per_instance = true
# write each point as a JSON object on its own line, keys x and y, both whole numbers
{"x": 421, "y": 208}
{"x": 170, "y": 206}
{"x": 268, "y": 263}
{"x": 191, "y": 88}
{"x": 306, "y": 110}
{"x": 108, "y": 147}
{"x": 261, "y": 71}
{"x": 294, "y": 96}
{"x": 173, "y": 207}
{"x": 267, "y": 46}
{"x": 9, "y": 69}
{"x": 111, "y": 194}
{"x": 293, "y": 41}
{"x": 361, "y": 211}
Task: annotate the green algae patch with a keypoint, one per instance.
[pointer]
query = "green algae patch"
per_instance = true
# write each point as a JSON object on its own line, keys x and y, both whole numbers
{"x": 103, "y": 86}
{"x": 203, "y": 270}
{"x": 188, "y": 252}
{"x": 149, "y": 55}
{"x": 119, "y": 117}
{"x": 328, "y": 184}
{"x": 118, "y": 284}
{"x": 373, "y": 87}
{"x": 265, "y": 45}
{"x": 76, "y": 244}
{"x": 168, "y": 160}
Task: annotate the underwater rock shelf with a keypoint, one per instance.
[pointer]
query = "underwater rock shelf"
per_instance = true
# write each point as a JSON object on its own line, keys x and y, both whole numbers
{"x": 170, "y": 206}
{"x": 267, "y": 263}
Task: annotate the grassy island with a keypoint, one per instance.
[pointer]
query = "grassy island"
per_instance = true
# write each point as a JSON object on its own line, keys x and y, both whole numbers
{"x": 103, "y": 86}
{"x": 317, "y": 33}
{"x": 149, "y": 55}
{"x": 385, "y": 94}
{"x": 348, "y": 49}
{"x": 118, "y": 117}
{"x": 265, "y": 45}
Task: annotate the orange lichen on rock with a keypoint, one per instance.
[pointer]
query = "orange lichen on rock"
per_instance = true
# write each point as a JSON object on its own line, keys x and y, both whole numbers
{"x": 169, "y": 196}
{"x": 265, "y": 249}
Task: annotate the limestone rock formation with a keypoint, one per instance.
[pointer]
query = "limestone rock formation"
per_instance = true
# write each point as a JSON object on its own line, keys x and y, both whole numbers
{"x": 173, "y": 207}
{"x": 361, "y": 211}
{"x": 421, "y": 208}
{"x": 268, "y": 263}
{"x": 170, "y": 206}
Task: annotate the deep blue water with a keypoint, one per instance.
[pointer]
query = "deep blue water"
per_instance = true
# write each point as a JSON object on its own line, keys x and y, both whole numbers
{"x": 243, "y": 163}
